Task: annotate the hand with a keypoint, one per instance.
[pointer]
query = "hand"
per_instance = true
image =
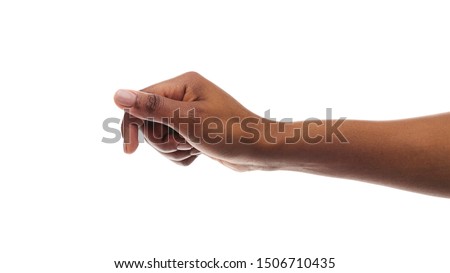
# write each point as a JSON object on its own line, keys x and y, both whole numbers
{"x": 189, "y": 115}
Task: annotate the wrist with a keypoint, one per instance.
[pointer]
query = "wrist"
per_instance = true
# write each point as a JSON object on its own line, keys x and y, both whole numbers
{"x": 282, "y": 145}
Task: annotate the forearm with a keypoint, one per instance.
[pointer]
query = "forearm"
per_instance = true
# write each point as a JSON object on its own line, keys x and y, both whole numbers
{"x": 412, "y": 154}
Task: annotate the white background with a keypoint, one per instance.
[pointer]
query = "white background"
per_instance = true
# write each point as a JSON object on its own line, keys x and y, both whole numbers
{"x": 70, "y": 203}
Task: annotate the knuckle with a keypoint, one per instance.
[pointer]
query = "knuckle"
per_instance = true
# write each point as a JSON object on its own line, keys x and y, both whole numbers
{"x": 192, "y": 79}
{"x": 192, "y": 74}
{"x": 151, "y": 103}
{"x": 186, "y": 162}
{"x": 166, "y": 148}
{"x": 178, "y": 156}
{"x": 162, "y": 146}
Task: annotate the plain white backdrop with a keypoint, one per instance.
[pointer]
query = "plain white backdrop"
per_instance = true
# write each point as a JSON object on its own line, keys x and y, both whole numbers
{"x": 70, "y": 203}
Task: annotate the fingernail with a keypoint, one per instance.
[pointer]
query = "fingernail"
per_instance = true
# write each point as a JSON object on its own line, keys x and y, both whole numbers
{"x": 184, "y": 146}
{"x": 194, "y": 152}
{"x": 125, "y": 98}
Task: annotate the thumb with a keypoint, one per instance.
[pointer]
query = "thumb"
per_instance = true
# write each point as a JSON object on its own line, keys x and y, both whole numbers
{"x": 148, "y": 106}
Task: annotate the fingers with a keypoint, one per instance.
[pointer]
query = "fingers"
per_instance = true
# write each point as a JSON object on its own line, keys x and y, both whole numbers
{"x": 159, "y": 104}
{"x": 178, "y": 88}
{"x": 160, "y": 136}
{"x": 184, "y": 146}
{"x": 148, "y": 106}
{"x": 169, "y": 143}
{"x": 130, "y": 129}
{"x": 186, "y": 162}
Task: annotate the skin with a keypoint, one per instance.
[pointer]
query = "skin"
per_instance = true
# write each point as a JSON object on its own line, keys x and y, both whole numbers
{"x": 410, "y": 154}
